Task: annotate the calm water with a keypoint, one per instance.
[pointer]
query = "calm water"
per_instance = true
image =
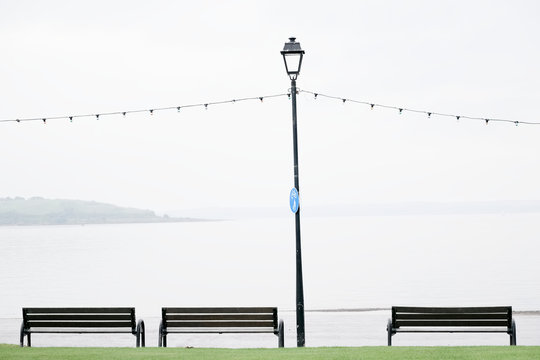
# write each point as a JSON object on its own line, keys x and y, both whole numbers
{"x": 348, "y": 262}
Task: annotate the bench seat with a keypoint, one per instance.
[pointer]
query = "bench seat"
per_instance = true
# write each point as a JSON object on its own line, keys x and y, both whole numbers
{"x": 81, "y": 321}
{"x": 452, "y": 320}
{"x": 237, "y": 320}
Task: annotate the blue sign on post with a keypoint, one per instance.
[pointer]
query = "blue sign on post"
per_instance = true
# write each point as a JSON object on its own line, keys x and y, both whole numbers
{"x": 294, "y": 200}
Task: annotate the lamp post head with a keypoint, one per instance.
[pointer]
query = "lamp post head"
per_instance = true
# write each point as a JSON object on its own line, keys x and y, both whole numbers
{"x": 292, "y": 56}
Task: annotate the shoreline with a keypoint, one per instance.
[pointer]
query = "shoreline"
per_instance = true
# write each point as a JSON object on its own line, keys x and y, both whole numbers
{"x": 157, "y": 221}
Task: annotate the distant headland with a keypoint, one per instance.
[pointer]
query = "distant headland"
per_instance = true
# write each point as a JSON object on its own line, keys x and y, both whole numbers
{"x": 40, "y": 211}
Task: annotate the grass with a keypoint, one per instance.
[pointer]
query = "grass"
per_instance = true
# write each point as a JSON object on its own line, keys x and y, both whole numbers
{"x": 8, "y": 352}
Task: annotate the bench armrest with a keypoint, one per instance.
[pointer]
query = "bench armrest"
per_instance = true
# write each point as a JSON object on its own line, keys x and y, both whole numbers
{"x": 140, "y": 334}
{"x": 23, "y": 333}
{"x": 281, "y": 334}
{"x": 390, "y": 331}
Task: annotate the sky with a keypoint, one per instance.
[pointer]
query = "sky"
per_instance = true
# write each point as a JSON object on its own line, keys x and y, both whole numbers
{"x": 62, "y": 58}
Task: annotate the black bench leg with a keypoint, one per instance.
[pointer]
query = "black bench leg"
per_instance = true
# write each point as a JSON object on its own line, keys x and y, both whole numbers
{"x": 281, "y": 334}
{"x": 389, "y": 330}
{"x": 513, "y": 335}
{"x": 140, "y": 334}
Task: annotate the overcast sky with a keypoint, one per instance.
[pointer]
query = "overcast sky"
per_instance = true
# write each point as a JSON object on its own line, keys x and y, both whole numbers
{"x": 478, "y": 58}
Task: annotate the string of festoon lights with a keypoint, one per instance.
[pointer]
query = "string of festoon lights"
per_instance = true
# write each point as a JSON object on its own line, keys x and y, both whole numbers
{"x": 150, "y": 111}
{"x": 402, "y": 110}
{"x": 178, "y": 108}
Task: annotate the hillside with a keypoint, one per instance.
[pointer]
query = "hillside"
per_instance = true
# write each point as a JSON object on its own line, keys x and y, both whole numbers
{"x": 40, "y": 211}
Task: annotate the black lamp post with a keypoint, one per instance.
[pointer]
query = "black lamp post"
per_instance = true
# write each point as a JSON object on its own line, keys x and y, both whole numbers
{"x": 292, "y": 55}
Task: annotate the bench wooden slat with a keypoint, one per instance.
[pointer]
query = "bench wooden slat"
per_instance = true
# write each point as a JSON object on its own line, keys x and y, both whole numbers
{"x": 474, "y": 310}
{"x": 454, "y": 330}
{"x": 222, "y": 331}
{"x": 449, "y": 323}
{"x": 170, "y": 317}
{"x": 79, "y": 317}
{"x": 450, "y": 316}
{"x": 218, "y": 324}
{"x": 81, "y": 324}
{"x": 77, "y": 310}
{"x": 75, "y": 331}
{"x": 220, "y": 310}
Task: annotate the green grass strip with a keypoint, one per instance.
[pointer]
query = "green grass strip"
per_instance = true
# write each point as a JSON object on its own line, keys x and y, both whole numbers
{"x": 8, "y": 352}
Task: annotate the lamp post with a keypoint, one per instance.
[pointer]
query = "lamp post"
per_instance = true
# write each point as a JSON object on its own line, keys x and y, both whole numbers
{"x": 292, "y": 56}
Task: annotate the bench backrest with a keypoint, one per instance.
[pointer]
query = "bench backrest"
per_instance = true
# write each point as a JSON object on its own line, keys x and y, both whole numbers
{"x": 243, "y": 319}
{"x": 79, "y": 318}
{"x": 450, "y": 317}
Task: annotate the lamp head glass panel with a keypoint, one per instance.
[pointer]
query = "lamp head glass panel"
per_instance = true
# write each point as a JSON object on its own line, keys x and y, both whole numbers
{"x": 292, "y": 56}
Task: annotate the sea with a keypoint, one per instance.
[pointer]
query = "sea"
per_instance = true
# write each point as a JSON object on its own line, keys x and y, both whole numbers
{"x": 354, "y": 269}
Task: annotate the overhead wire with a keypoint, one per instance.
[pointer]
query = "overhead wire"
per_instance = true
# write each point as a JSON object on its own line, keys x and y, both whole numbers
{"x": 151, "y": 111}
{"x": 402, "y": 109}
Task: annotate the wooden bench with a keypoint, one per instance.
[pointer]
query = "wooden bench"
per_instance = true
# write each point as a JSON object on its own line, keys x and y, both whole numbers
{"x": 452, "y": 320}
{"x": 81, "y": 321}
{"x": 219, "y": 320}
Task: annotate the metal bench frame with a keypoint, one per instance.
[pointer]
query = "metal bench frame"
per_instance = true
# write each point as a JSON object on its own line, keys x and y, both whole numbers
{"x": 452, "y": 320}
{"x": 238, "y": 320}
{"x": 80, "y": 321}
